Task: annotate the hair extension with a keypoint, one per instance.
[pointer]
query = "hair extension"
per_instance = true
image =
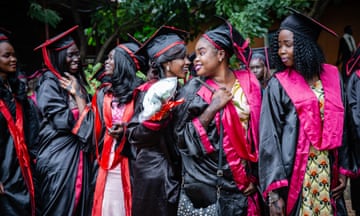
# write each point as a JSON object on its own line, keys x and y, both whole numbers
{"x": 124, "y": 79}
{"x": 308, "y": 56}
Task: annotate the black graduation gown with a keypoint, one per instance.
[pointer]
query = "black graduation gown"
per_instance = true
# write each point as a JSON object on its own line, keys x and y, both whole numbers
{"x": 127, "y": 150}
{"x": 353, "y": 96}
{"x": 16, "y": 200}
{"x": 59, "y": 153}
{"x": 279, "y": 124}
{"x": 156, "y": 169}
{"x": 199, "y": 165}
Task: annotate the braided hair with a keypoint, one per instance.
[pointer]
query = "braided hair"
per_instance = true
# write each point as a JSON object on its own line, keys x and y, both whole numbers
{"x": 308, "y": 56}
{"x": 124, "y": 79}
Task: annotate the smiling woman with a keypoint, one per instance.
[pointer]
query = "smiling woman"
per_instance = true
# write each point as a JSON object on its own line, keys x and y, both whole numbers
{"x": 217, "y": 129}
{"x": 61, "y": 98}
{"x": 19, "y": 127}
{"x": 157, "y": 168}
{"x": 302, "y": 170}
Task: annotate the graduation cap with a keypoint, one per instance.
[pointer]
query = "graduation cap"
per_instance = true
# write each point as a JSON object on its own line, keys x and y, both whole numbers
{"x": 304, "y": 25}
{"x": 36, "y": 74}
{"x": 4, "y": 34}
{"x": 353, "y": 61}
{"x": 261, "y": 53}
{"x": 57, "y": 43}
{"x": 162, "y": 40}
{"x": 130, "y": 49}
{"x": 229, "y": 39}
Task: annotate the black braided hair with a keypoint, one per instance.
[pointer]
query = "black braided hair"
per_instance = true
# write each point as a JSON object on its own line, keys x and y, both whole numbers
{"x": 308, "y": 56}
{"x": 124, "y": 79}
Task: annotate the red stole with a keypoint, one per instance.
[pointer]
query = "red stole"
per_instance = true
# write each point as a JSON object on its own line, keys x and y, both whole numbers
{"x": 103, "y": 161}
{"x": 323, "y": 135}
{"x": 17, "y": 133}
{"x": 252, "y": 92}
{"x": 236, "y": 146}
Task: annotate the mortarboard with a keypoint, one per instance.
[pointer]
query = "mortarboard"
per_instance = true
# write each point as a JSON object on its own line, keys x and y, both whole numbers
{"x": 130, "y": 49}
{"x": 263, "y": 51}
{"x": 304, "y": 25}
{"x": 60, "y": 42}
{"x": 229, "y": 39}
{"x": 162, "y": 40}
{"x": 353, "y": 61}
{"x": 4, "y": 34}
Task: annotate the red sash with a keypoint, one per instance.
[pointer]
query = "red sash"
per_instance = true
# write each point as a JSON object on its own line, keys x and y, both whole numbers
{"x": 323, "y": 135}
{"x": 243, "y": 147}
{"x": 239, "y": 144}
{"x": 17, "y": 133}
{"x": 103, "y": 161}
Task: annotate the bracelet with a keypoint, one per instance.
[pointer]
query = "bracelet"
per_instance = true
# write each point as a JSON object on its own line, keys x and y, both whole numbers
{"x": 273, "y": 197}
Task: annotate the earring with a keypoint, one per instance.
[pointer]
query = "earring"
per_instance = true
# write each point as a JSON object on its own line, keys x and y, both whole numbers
{"x": 167, "y": 68}
{"x": 220, "y": 60}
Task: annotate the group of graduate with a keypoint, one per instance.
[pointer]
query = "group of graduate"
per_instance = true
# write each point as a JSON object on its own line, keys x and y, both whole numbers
{"x": 222, "y": 144}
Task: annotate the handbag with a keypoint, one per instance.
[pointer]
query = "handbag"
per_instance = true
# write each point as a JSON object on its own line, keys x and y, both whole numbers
{"x": 186, "y": 207}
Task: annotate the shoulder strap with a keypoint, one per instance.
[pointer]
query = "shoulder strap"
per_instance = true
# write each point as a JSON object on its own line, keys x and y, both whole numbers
{"x": 219, "y": 172}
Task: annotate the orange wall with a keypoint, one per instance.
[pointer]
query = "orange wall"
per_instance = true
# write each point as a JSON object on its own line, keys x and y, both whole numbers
{"x": 337, "y": 17}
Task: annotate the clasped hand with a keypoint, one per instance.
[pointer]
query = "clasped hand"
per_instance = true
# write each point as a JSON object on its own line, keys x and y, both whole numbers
{"x": 69, "y": 83}
{"x": 220, "y": 98}
{"x": 117, "y": 130}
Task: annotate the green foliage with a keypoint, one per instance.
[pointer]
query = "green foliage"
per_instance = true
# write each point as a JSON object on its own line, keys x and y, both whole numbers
{"x": 254, "y": 17}
{"x": 142, "y": 18}
{"x": 90, "y": 71}
{"x": 51, "y": 17}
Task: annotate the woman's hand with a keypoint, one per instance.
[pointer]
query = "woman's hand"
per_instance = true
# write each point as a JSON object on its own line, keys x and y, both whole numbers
{"x": 250, "y": 189}
{"x": 117, "y": 130}
{"x": 338, "y": 191}
{"x": 277, "y": 208}
{"x": 70, "y": 84}
{"x": 220, "y": 98}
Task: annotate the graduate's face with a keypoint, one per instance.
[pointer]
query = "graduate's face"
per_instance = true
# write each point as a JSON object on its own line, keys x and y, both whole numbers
{"x": 7, "y": 59}
{"x": 175, "y": 68}
{"x": 187, "y": 64}
{"x": 109, "y": 63}
{"x": 257, "y": 66}
{"x": 73, "y": 59}
{"x": 207, "y": 59}
{"x": 286, "y": 47}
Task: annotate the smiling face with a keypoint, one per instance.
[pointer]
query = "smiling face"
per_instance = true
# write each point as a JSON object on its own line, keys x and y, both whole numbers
{"x": 8, "y": 59}
{"x": 110, "y": 63}
{"x": 207, "y": 59}
{"x": 73, "y": 59}
{"x": 286, "y": 47}
{"x": 176, "y": 68}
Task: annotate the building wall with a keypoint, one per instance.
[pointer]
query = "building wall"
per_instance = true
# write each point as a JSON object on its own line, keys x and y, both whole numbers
{"x": 337, "y": 16}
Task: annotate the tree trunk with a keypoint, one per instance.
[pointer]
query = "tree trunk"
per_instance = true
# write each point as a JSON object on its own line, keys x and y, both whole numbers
{"x": 82, "y": 37}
